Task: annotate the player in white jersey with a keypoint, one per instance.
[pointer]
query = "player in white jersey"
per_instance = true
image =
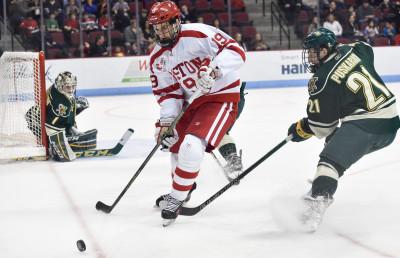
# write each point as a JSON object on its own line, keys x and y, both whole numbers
{"x": 189, "y": 58}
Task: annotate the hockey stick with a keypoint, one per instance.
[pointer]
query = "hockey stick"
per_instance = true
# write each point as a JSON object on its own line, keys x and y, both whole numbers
{"x": 106, "y": 152}
{"x": 190, "y": 211}
{"x": 90, "y": 153}
{"x": 107, "y": 208}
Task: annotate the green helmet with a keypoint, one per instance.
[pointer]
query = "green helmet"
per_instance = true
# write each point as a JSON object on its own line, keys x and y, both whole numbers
{"x": 321, "y": 38}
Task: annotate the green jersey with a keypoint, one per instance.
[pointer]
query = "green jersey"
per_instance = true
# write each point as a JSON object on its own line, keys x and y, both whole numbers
{"x": 60, "y": 111}
{"x": 347, "y": 88}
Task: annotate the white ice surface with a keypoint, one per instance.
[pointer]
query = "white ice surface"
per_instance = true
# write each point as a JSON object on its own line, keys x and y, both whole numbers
{"x": 45, "y": 207}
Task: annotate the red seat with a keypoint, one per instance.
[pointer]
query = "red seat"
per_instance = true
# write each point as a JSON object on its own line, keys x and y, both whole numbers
{"x": 303, "y": 17}
{"x": 202, "y": 6}
{"x": 132, "y": 7}
{"x": 237, "y": 5}
{"x": 218, "y": 5}
{"x": 248, "y": 32}
{"x": 381, "y": 41}
{"x": 75, "y": 38}
{"x": 241, "y": 18}
{"x": 149, "y": 4}
{"x": 188, "y": 3}
{"x": 223, "y": 19}
{"x": 343, "y": 40}
{"x": 94, "y": 34}
{"x": 208, "y": 18}
{"x": 117, "y": 38}
{"x": 53, "y": 53}
{"x": 234, "y": 29}
{"x": 58, "y": 37}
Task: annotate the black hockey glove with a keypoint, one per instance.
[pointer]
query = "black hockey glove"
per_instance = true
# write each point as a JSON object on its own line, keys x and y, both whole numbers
{"x": 300, "y": 130}
{"x": 81, "y": 104}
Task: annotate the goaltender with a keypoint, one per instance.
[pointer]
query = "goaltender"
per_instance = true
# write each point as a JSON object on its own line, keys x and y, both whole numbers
{"x": 62, "y": 106}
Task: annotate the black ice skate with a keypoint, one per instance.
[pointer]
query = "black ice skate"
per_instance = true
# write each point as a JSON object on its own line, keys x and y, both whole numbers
{"x": 171, "y": 211}
{"x": 161, "y": 201}
{"x": 234, "y": 166}
{"x": 315, "y": 209}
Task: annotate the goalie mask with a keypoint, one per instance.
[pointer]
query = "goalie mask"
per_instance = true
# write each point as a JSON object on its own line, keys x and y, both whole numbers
{"x": 164, "y": 19}
{"x": 66, "y": 84}
{"x": 314, "y": 43}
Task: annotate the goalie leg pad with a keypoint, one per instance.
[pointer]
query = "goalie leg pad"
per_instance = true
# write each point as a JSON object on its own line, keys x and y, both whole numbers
{"x": 59, "y": 147}
{"x": 83, "y": 141}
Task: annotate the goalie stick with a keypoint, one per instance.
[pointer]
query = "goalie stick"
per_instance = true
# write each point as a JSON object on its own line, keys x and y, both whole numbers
{"x": 190, "y": 211}
{"x": 91, "y": 153}
{"x": 108, "y": 208}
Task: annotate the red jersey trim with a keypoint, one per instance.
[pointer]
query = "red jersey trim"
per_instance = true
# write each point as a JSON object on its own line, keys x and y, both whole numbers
{"x": 239, "y": 51}
{"x": 166, "y": 90}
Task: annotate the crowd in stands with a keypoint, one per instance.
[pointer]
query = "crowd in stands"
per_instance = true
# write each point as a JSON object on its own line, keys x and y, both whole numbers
{"x": 129, "y": 35}
{"x": 374, "y": 21}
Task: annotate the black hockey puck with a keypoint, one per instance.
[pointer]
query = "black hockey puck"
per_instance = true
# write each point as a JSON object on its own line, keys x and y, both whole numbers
{"x": 81, "y": 245}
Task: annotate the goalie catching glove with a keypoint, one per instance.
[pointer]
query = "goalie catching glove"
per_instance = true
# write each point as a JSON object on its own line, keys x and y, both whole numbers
{"x": 300, "y": 130}
{"x": 168, "y": 139}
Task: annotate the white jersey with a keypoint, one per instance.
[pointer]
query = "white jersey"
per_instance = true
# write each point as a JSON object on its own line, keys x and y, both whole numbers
{"x": 174, "y": 69}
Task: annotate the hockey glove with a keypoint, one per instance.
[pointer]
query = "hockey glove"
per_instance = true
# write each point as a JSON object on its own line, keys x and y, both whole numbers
{"x": 81, "y": 104}
{"x": 300, "y": 130}
{"x": 161, "y": 134}
{"x": 206, "y": 77}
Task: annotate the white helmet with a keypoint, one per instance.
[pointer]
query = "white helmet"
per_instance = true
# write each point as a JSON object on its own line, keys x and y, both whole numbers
{"x": 66, "y": 84}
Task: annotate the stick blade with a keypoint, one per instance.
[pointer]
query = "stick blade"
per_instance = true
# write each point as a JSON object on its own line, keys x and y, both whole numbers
{"x": 100, "y": 206}
{"x": 186, "y": 211}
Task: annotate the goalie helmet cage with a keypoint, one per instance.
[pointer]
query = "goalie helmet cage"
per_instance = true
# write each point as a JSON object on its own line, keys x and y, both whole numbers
{"x": 22, "y": 106}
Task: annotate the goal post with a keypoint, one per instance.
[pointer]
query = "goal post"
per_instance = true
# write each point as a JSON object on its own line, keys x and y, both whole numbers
{"x": 22, "y": 106}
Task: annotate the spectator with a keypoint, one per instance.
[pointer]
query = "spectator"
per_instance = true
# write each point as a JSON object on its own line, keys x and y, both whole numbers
{"x": 389, "y": 30}
{"x": 102, "y": 8}
{"x": 89, "y": 23}
{"x": 99, "y": 48}
{"x": 52, "y": 6}
{"x": 200, "y": 19}
{"x": 239, "y": 39}
{"x": 120, "y": 5}
{"x": 365, "y": 12}
{"x": 147, "y": 31}
{"x": 52, "y": 24}
{"x": 71, "y": 25}
{"x": 217, "y": 24}
{"x": 186, "y": 15}
{"x": 350, "y": 28}
{"x": 71, "y": 7}
{"x": 104, "y": 22}
{"x": 34, "y": 7}
{"x": 314, "y": 25}
{"x": 132, "y": 50}
{"x": 118, "y": 52}
{"x": 121, "y": 20}
{"x": 333, "y": 25}
{"x": 143, "y": 19}
{"x": 18, "y": 10}
{"x": 259, "y": 44}
{"x": 29, "y": 26}
{"x": 132, "y": 34}
{"x": 370, "y": 32}
{"x": 90, "y": 8}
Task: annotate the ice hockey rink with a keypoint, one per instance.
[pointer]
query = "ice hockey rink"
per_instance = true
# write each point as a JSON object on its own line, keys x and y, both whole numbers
{"x": 47, "y": 206}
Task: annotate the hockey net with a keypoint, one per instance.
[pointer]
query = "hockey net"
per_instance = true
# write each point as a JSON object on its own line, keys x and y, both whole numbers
{"x": 22, "y": 106}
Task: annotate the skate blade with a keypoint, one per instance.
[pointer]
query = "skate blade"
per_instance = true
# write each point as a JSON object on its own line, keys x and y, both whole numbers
{"x": 167, "y": 222}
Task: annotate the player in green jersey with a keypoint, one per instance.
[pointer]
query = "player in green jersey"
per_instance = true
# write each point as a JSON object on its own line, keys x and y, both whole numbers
{"x": 62, "y": 106}
{"x": 345, "y": 89}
